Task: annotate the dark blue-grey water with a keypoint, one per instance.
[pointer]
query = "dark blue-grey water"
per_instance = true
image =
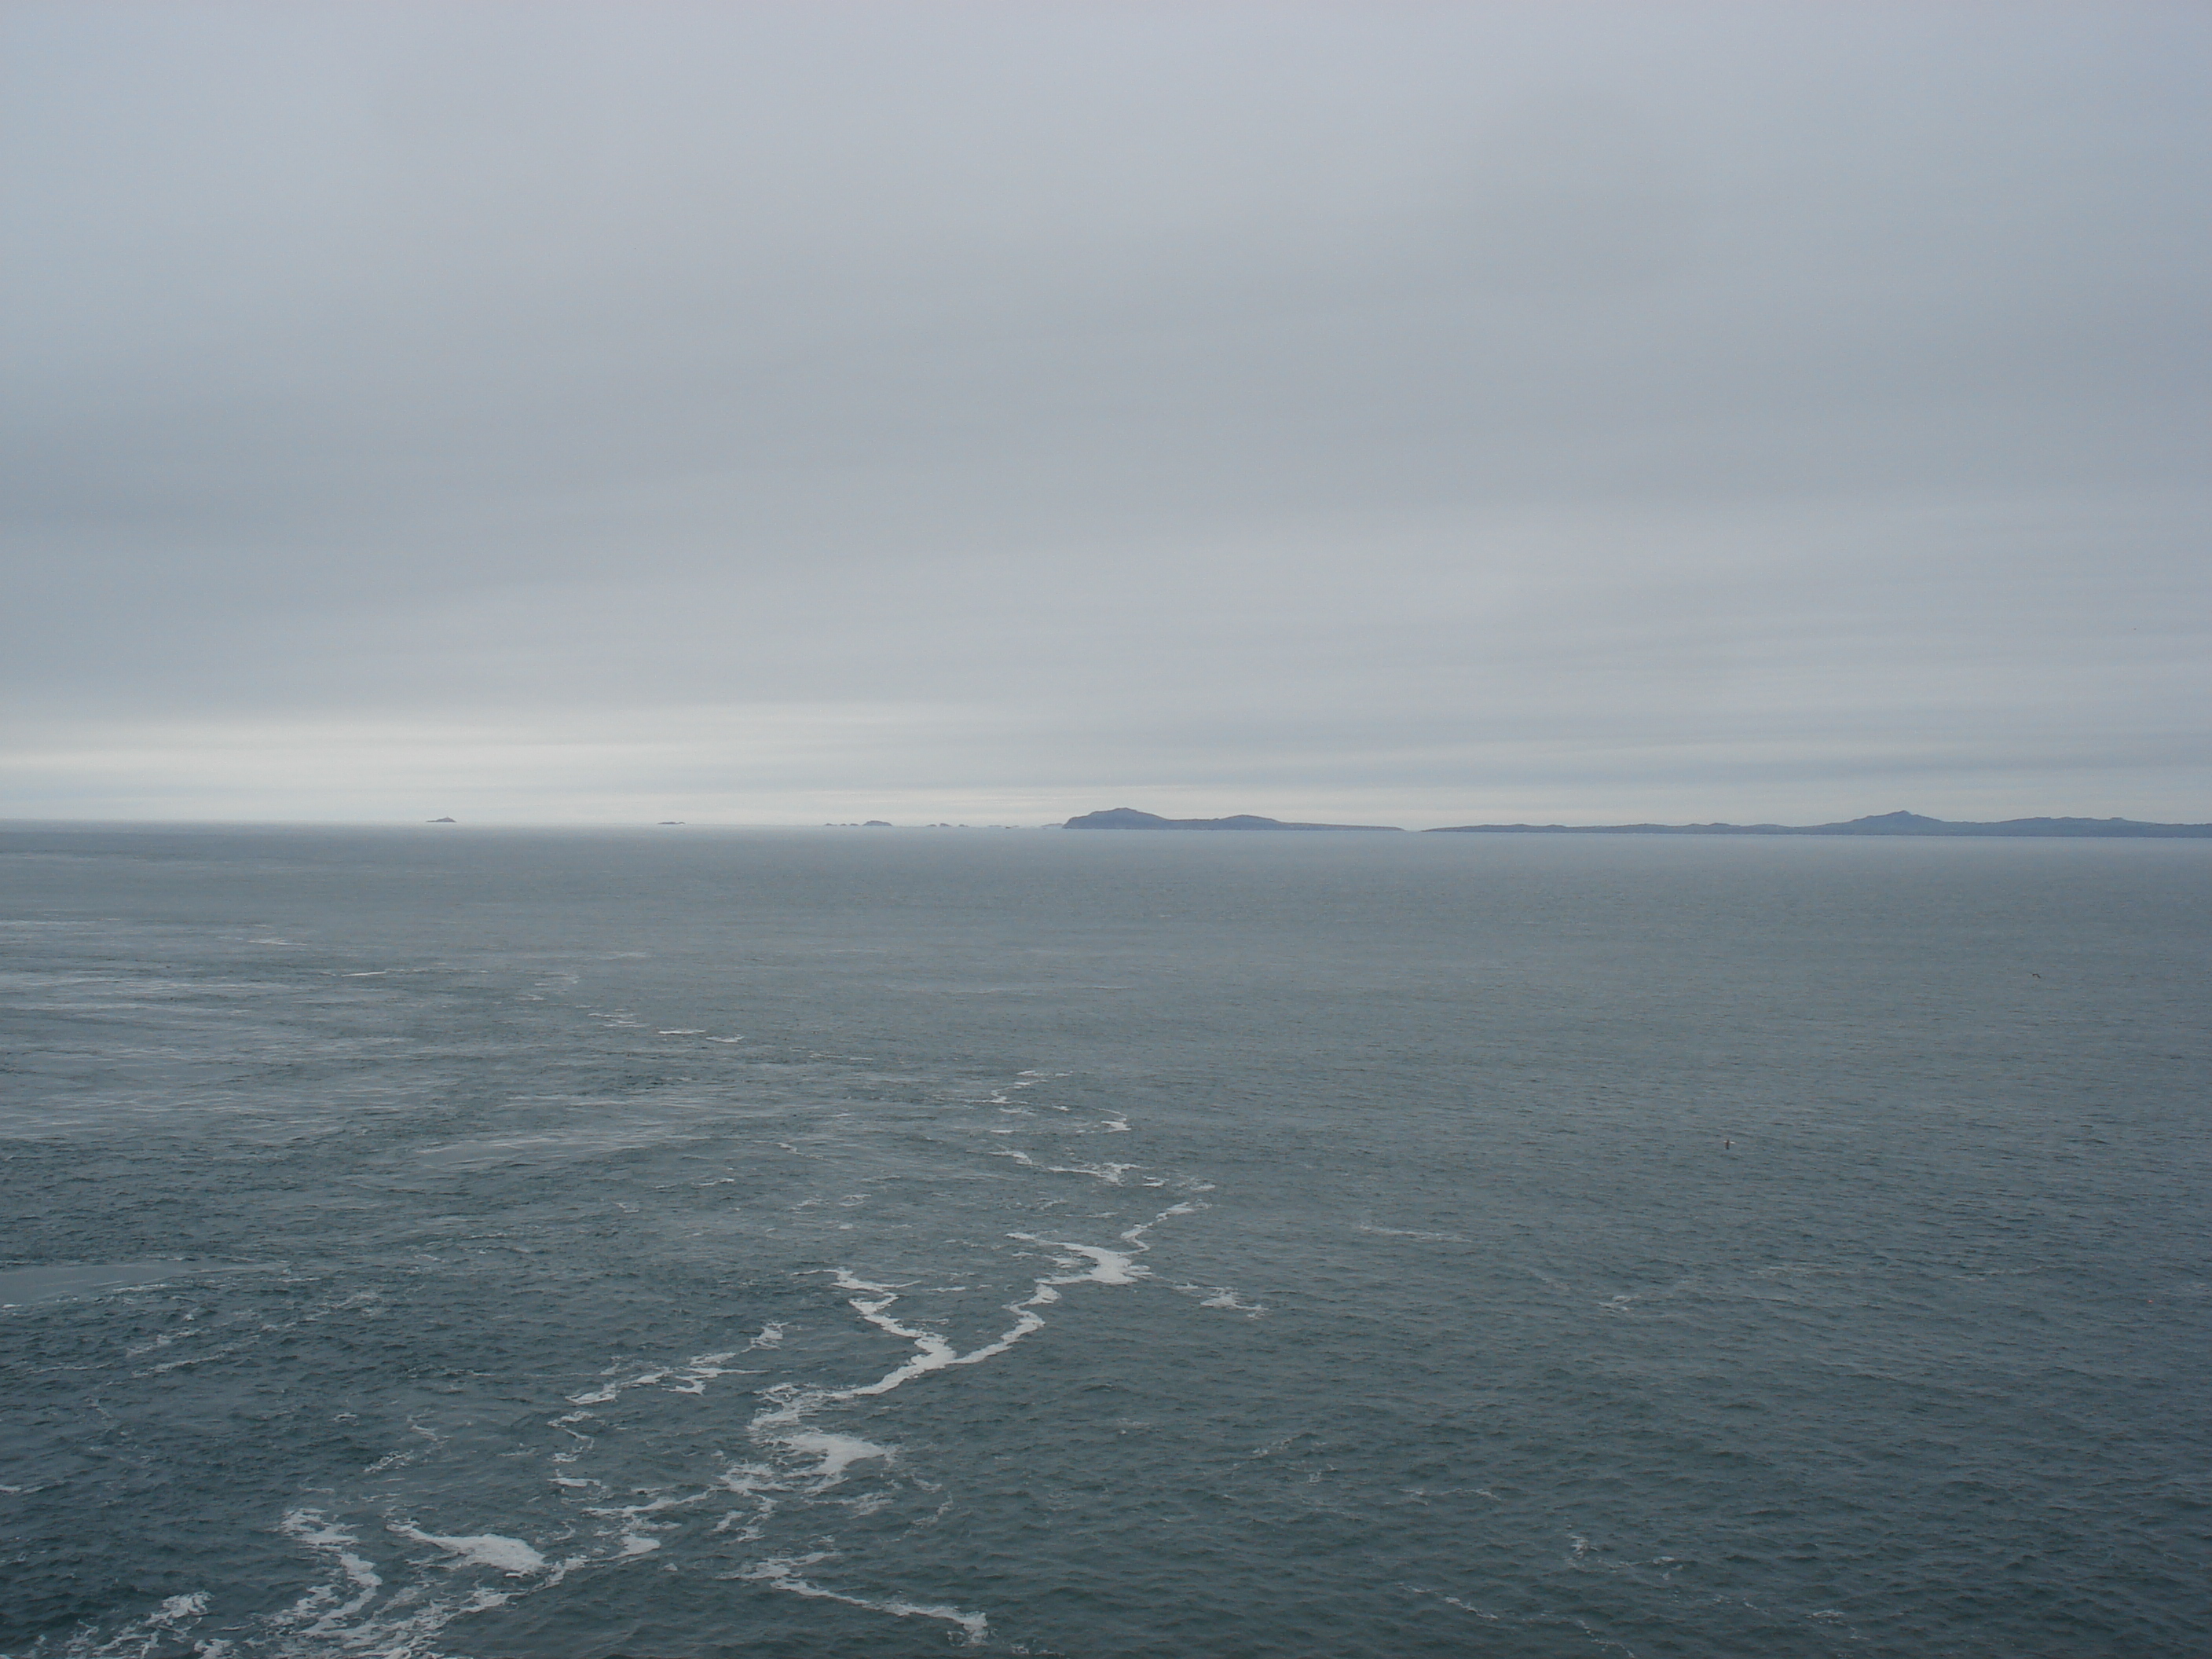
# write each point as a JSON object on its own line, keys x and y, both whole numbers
{"x": 686, "y": 1243}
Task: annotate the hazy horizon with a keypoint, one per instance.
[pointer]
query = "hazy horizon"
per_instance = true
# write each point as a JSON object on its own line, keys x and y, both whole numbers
{"x": 581, "y": 825}
{"x": 1399, "y": 414}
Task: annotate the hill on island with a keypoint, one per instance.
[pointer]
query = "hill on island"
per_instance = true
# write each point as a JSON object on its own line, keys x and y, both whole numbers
{"x": 1128, "y": 818}
{"x": 1884, "y": 823}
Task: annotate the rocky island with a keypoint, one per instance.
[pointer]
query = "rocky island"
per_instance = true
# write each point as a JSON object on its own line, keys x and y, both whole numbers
{"x": 1128, "y": 818}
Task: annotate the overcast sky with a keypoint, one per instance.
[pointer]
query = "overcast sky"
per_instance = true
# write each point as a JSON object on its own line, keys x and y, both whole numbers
{"x": 1412, "y": 413}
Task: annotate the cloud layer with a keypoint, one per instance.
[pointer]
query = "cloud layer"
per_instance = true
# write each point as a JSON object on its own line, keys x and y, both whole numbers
{"x": 987, "y": 411}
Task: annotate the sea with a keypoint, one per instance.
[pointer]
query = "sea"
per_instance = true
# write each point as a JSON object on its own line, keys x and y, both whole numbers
{"x": 674, "y": 1243}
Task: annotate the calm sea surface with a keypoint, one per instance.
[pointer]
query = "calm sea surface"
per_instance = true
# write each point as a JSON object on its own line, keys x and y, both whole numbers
{"x": 682, "y": 1242}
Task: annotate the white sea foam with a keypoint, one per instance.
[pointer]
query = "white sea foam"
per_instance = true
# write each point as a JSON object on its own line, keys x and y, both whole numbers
{"x": 489, "y": 1549}
{"x": 780, "y": 1422}
{"x": 341, "y": 1615}
{"x": 837, "y": 1452}
{"x": 934, "y": 1352}
{"x": 782, "y": 1573}
{"x": 394, "y": 1460}
{"x": 755, "y": 1525}
{"x": 140, "y": 1637}
{"x": 1107, "y": 1267}
{"x": 1223, "y": 1296}
{"x": 803, "y": 1457}
{"x": 692, "y": 1376}
{"x": 1111, "y": 1174}
{"x": 321, "y": 1609}
{"x": 1409, "y": 1232}
{"x": 1189, "y": 1206}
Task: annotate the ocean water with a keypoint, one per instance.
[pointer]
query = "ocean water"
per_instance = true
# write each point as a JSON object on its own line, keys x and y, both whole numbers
{"x": 679, "y": 1242}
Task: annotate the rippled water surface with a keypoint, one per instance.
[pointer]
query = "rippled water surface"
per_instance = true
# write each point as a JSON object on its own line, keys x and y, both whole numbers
{"x": 673, "y": 1243}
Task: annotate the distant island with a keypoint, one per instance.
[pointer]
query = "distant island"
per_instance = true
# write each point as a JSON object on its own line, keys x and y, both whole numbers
{"x": 1128, "y": 818}
{"x": 1881, "y": 824}
{"x": 1885, "y": 823}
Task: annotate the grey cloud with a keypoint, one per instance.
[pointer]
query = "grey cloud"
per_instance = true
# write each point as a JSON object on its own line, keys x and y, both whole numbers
{"x": 1376, "y": 402}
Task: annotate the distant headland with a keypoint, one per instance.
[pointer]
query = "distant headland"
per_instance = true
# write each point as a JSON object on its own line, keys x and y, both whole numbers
{"x": 1128, "y": 818}
{"x": 1885, "y": 823}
